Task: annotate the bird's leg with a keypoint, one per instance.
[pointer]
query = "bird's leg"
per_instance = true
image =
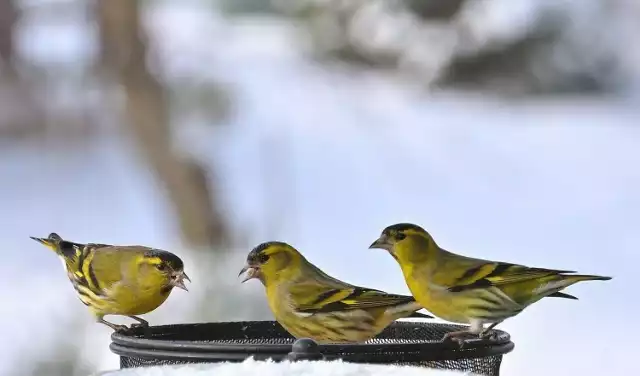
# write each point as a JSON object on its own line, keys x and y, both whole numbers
{"x": 485, "y": 332}
{"x": 142, "y": 323}
{"x": 115, "y": 327}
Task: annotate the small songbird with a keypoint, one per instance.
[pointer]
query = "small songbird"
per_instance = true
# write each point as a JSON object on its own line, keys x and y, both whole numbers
{"x": 310, "y": 304}
{"x": 118, "y": 280}
{"x": 467, "y": 290}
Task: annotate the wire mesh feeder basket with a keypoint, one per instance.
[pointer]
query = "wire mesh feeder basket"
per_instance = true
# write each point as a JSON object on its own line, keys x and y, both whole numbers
{"x": 406, "y": 343}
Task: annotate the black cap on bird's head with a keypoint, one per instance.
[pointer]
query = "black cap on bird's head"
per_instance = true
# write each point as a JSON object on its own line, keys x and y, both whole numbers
{"x": 401, "y": 227}
{"x": 262, "y": 253}
{"x": 396, "y": 233}
{"x": 169, "y": 264}
{"x": 167, "y": 258}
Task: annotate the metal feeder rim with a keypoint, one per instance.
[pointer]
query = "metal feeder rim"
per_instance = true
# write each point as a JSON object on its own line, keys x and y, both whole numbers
{"x": 125, "y": 345}
{"x": 496, "y": 350}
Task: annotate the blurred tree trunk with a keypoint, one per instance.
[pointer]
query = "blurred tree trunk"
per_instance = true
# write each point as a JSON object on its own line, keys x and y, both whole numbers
{"x": 8, "y": 16}
{"x": 21, "y": 115}
{"x": 435, "y": 9}
{"x": 124, "y": 53}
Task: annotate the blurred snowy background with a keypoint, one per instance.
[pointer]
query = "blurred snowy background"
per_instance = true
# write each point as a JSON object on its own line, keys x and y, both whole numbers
{"x": 508, "y": 128}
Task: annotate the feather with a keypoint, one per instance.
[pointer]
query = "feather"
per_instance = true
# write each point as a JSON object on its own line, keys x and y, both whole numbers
{"x": 562, "y": 295}
{"x": 499, "y": 274}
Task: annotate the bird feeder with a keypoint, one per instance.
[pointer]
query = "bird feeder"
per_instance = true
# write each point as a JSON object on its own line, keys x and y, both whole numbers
{"x": 405, "y": 343}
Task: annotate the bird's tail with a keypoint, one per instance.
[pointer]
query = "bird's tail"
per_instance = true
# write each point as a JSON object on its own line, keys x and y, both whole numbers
{"x": 552, "y": 286}
{"x": 583, "y": 277}
{"x": 49, "y": 243}
{"x": 405, "y": 310}
{"x": 66, "y": 249}
{"x": 562, "y": 295}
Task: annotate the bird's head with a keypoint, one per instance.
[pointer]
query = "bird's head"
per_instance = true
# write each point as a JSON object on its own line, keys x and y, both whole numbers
{"x": 270, "y": 261}
{"x": 404, "y": 241}
{"x": 164, "y": 267}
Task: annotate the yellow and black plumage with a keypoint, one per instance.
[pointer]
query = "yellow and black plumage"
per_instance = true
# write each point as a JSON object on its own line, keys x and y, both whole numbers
{"x": 308, "y": 303}
{"x": 118, "y": 280}
{"x": 468, "y": 290}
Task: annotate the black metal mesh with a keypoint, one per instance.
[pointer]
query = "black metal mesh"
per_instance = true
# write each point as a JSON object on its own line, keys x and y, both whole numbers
{"x": 402, "y": 343}
{"x": 489, "y": 365}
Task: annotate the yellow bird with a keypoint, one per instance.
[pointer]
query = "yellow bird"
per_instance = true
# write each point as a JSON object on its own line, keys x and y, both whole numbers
{"x": 466, "y": 290}
{"x": 118, "y": 280}
{"x": 310, "y": 304}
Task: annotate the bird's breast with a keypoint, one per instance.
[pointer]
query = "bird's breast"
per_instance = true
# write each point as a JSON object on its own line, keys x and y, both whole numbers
{"x": 438, "y": 300}
{"x": 137, "y": 301}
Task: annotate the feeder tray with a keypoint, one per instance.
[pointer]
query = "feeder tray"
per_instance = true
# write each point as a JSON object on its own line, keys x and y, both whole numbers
{"x": 406, "y": 343}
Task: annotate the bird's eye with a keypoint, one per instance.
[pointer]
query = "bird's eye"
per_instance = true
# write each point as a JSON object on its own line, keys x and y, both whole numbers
{"x": 161, "y": 267}
{"x": 400, "y": 236}
{"x": 262, "y": 258}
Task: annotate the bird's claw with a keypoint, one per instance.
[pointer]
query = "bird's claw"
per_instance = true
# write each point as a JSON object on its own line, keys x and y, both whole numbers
{"x": 139, "y": 324}
{"x": 459, "y": 341}
{"x": 457, "y": 337}
{"x": 490, "y": 335}
{"x": 120, "y": 328}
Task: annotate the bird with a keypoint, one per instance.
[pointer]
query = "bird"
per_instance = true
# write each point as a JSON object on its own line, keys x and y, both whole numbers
{"x": 118, "y": 280}
{"x": 311, "y": 304}
{"x": 468, "y": 290}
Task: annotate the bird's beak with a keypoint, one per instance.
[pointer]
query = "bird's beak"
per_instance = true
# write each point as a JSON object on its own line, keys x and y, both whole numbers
{"x": 382, "y": 243}
{"x": 46, "y": 242}
{"x": 179, "y": 282}
{"x": 251, "y": 272}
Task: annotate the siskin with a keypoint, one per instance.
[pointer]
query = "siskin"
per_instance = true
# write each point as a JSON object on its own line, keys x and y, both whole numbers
{"x": 309, "y": 303}
{"x": 118, "y": 280}
{"x": 467, "y": 290}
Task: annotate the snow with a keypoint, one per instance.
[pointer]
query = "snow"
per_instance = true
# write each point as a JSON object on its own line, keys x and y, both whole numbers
{"x": 302, "y": 368}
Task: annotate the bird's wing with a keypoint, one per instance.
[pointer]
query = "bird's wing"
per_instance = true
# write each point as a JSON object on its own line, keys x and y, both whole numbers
{"x": 104, "y": 266}
{"x": 319, "y": 292}
{"x": 315, "y": 298}
{"x": 100, "y": 245}
{"x": 487, "y": 274}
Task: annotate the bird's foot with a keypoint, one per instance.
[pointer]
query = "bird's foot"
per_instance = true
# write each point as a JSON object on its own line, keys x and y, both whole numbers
{"x": 120, "y": 328}
{"x": 141, "y": 322}
{"x": 488, "y": 333}
{"x": 459, "y": 341}
{"x": 116, "y": 327}
{"x": 457, "y": 337}
{"x": 491, "y": 335}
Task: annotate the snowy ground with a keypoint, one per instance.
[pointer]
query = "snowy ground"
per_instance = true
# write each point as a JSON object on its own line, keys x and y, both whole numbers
{"x": 344, "y": 154}
{"x": 250, "y": 367}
